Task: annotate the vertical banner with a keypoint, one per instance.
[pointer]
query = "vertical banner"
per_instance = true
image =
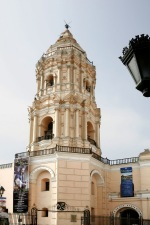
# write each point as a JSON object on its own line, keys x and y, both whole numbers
{"x": 21, "y": 185}
{"x": 127, "y": 187}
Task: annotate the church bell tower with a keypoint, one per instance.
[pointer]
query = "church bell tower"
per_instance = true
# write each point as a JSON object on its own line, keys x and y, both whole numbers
{"x": 64, "y": 111}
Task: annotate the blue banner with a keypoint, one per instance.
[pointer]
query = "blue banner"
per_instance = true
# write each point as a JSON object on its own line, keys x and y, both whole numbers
{"x": 127, "y": 187}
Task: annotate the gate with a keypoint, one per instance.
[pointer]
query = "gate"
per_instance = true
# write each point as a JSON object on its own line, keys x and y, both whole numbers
{"x": 85, "y": 220}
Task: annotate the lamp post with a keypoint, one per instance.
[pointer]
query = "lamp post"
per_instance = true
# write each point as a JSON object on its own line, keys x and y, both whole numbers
{"x": 1, "y": 191}
{"x": 136, "y": 58}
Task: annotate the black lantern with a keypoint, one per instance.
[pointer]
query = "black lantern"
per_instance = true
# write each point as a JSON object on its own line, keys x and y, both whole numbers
{"x": 137, "y": 59}
{"x": 1, "y": 191}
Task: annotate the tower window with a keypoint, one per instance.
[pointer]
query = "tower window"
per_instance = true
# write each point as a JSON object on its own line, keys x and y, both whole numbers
{"x": 88, "y": 86}
{"x": 45, "y": 184}
{"x": 44, "y": 212}
{"x": 50, "y": 81}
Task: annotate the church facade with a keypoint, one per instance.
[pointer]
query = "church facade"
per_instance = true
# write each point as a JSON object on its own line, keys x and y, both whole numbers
{"x": 63, "y": 165}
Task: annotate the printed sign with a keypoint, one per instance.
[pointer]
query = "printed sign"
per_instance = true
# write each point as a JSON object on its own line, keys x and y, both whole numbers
{"x": 21, "y": 185}
{"x": 127, "y": 187}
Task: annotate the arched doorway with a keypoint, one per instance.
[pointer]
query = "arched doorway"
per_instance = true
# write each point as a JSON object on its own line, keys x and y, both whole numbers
{"x": 129, "y": 217}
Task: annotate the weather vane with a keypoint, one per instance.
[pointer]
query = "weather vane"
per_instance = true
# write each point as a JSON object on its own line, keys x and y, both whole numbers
{"x": 67, "y": 25}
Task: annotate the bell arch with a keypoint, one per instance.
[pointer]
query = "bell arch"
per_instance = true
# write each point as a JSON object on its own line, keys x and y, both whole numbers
{"x": 91, "y": 133}
{"x": 50, "y": 80}
{"x": 46, "y": 128}
{"x": 87, "y": 85}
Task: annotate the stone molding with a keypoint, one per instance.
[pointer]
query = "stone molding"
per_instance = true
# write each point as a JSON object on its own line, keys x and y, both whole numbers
{"x": 100, "y": 180}
{"x": 37, "y": 170}
{"x": 131, "y": 206}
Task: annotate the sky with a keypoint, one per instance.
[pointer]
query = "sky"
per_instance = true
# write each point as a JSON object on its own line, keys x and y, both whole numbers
{"x": 102, "y": 28}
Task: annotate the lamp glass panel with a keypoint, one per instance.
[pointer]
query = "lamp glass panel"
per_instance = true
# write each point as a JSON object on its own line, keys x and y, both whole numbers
{"x": 134, "y": 70}
{"x": 144, "y": 64}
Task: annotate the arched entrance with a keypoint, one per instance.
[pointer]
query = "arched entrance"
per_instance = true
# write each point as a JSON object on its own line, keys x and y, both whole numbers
{"x": 129, "y": 216}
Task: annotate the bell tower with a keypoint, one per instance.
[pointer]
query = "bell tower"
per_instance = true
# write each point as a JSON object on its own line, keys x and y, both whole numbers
{"x": 64, "y": 111}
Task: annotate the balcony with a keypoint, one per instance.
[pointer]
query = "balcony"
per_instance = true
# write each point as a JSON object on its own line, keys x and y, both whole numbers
{"x": 91, "y": 141}
{"x": 74, "y": 150}
{"x": 47, "y": 136}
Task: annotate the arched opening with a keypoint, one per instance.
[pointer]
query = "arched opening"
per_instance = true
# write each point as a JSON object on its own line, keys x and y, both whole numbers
{"x": 49, "y": 131}
{"x": 45, "y": 184}
{"x": 129, "y": 216}
{"x": 90, "y": 133}
{"x": 87, "y": 86}
{"x": 44, "y": 212}
{"x": 50, "y": 81}
{"x": 96, "y": 193}
{"x": 46, "y": 129}
{"x": 92, "y": 188}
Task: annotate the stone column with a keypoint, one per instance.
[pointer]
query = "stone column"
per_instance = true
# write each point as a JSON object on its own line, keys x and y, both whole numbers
{"x": 41, "y": 85}
{"x": 59, "y": 77}
{"x": 38, "y": 84}
{"x": 56, "y": 122}
{"x": 31, "y": 130}
{"x": 45, "y": 89}
{"x": 98, "y": 134}
{"x": 81, "y": 80}
{"x": 73, "y": 77}
{"x": 69, "y": 74}
{"x": 35, "y": 128}
{"x": 85, "y": 126}
{"x": 67, "y": 120}
{"x": 77, "y": 123}
{"x": 40, "y": 130}
{"x": 55, "y": 83}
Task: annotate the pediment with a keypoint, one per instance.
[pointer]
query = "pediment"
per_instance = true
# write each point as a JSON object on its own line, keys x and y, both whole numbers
{"x": 73, "y": 98}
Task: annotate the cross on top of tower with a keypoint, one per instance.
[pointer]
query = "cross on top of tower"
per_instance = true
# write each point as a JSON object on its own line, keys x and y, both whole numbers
{"x": 67, "y": 25}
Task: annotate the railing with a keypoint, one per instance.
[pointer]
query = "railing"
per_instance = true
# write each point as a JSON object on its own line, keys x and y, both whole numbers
{"x": 53, "y": 150}
{"x": 124, "y": 161}
{"x": 73, "y": 149}
{"x": 115, "y": 162}
{"x": 67, "y": 47}
{"x": 45, "y": 137}
{"x": 42, "y": 152}
{"x": 101, "y": 220}
{"x": 4, "y": 166}
{"x": 77, "y": 150}
{"x": 91, "y": 141}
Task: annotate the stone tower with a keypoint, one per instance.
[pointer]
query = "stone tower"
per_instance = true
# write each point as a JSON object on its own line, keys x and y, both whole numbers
{"x": 64, "y": 110}
{"x": 64, "y": 134}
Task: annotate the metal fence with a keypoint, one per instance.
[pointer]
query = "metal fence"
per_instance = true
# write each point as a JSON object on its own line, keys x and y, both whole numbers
{"x": 100, "y": 220}
{"x": 18, "y": 219}
{"x": 26, "y": 219}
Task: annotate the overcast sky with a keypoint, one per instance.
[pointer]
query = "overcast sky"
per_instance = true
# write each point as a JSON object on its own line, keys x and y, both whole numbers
{"x": 102, "y": 28}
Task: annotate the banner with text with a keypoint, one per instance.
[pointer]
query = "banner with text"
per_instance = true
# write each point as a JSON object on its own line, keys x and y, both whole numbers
{"x": 127, "y": 187}
{"x": 21, "y": 185}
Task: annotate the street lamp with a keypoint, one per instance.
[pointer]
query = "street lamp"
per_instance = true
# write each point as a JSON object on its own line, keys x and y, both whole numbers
{"x": 1, "y": 191}
{"x": 137, "y": 59}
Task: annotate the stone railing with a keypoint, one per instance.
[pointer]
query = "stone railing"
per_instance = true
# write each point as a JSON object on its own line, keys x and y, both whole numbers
{"x": 77, "y": 150}
{"x": 4, "y": 166}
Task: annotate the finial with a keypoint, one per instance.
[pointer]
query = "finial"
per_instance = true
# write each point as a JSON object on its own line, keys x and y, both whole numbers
{"x": 67, "y": 25}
